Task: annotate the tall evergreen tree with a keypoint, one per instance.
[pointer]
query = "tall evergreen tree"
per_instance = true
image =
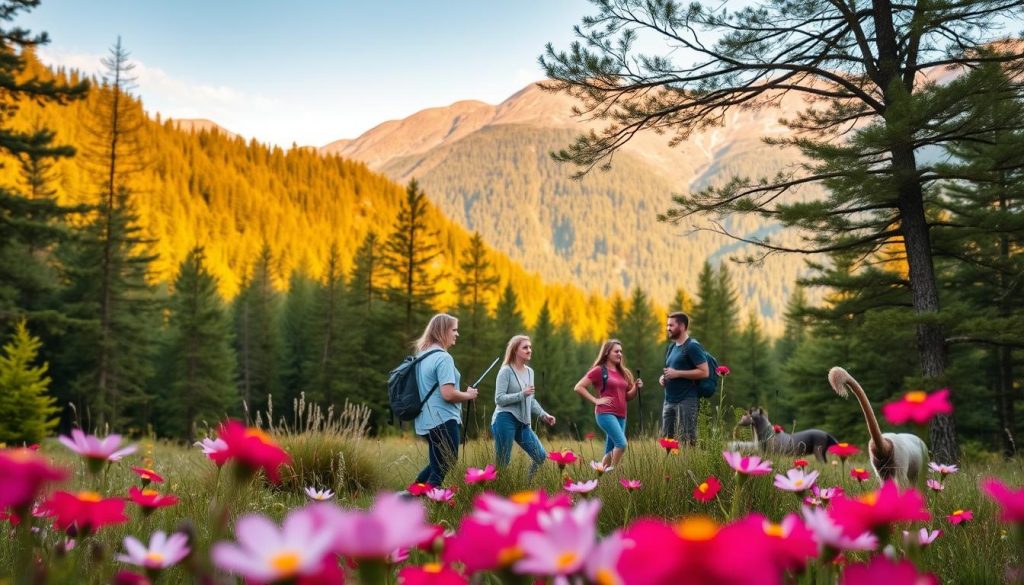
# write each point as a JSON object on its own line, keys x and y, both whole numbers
{"x": 258, "y": 343}
{"x": 753, "y": 382}
{"x": 478, "y": 344}
{"x": 714, "y": 320}
{"x": 508, "y": 318}
{"x": 26, "y": 409}
{"x": 368, "y": 274}
{"x": 199, "y": 353}
{"x": 642, "y": 335}
{"x": 298, "y": 347}
{"x": 408, "y": 254}
{"x": 616, "y": 316}
{"x": 682, "y": 302}
{"x": 796, "y": 327}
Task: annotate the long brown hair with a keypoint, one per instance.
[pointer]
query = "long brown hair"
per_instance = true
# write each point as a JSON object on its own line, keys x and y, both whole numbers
{"x": 512, "y": 348}
{"x": 437, "y": 332}
{"x": 602, "y": 360}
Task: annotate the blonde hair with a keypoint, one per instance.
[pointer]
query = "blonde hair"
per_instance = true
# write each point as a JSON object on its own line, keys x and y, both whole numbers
{"x": 513, "y": 346}
{"x": 602, "y": 360}
{"x": 437, "y": 332}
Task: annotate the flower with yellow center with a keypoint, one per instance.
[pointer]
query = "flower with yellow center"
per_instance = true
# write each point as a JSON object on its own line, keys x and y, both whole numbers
{"x": 697, "y": 529}
{"x": 916, "y": 396}
{"x": 89, "y": 496}
{"x": 285, "y": 563}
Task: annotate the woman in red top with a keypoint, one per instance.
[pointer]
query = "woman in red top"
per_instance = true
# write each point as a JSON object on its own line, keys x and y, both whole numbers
{"x": 615, "y": 385}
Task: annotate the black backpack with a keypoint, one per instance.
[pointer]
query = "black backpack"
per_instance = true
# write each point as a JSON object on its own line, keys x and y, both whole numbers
{"x": 404, "y": 391}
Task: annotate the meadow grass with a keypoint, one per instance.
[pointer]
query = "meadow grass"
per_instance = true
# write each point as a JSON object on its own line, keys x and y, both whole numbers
{"x": 357, "y": 467}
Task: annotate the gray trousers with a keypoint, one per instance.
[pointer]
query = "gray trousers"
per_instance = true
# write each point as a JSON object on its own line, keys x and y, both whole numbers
{"x": 679, "y": 419}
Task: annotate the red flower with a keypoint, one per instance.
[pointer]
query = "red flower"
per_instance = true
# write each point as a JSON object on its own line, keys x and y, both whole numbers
{"x": 843, "y": 450}
{"x": 860, "y": 474}
{"x": 253, "y": 449}
{"x": 918, "y": 407}
{"x": 878, "y": 509}
{"x": 87, "y": 511}
{"x": 563, "y": 458}
{"x": 150, "y": 499}
{"x": 668, "y": 443}
{"x": 1011, "y": 501}
{"x": 590, "y": 436}
{"x": 430, "y": 574}
{"x": 882, "y": 570}
{"x": 777, "y": 428}
{"x": 960, "y": 517}
{"x": 800, "y": 463}
{"x": 722, "y": 370}
{"x": 419, "y": 489}
{"x": 707, "y": 490}
{"x": 147, "y": 475}
{"x": 24, "y": 473}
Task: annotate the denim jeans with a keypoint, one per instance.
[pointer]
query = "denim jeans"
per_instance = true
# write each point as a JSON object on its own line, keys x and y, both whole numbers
{"x": 443, "y": 450}
{"x": 679, "y": 419}
{"x": 614, "y": 428}
{"x": 508, "y": 429}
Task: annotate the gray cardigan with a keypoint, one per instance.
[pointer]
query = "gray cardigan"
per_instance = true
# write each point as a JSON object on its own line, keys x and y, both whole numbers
{"x": 508, "y": 396}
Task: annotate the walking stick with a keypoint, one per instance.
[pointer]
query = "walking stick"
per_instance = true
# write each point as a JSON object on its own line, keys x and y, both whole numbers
{"x": 469, "y": 407}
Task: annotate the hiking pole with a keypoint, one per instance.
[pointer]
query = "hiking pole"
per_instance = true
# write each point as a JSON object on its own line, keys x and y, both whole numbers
{"x": 469, "y": 407}
{"x": 640, "y": 403}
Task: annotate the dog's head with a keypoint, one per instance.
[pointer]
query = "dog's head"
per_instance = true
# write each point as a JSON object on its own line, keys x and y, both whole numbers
{"x": 753, "y": 416}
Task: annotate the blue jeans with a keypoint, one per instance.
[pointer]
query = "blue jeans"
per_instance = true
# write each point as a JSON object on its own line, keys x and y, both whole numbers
{"x": 506, "y": 429}
{"x": 443, "y": 450}
{"x": 614, "y": 428}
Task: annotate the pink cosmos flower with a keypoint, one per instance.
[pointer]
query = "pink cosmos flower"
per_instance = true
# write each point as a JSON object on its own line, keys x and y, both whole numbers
{"x": 601, "y": 566}
{"x": 267, "y": 553}
{"x": 253, "y": 449}
{"x": 707, "y": 490}
{"x": 795, "y": 480}
{"x": 563, "y": 458}
{"x": 24, "y": 474}
{"x": 419, "y": 489}
{"x": 960, "y": 517}
{"x": 723, "y": 370}
{"x": 918, "y": 407}
{"x": 96, "y": 451}
{"x": 87, "y": 511}
{"x": 883, "y": 570}
{"x": 943, "y": 470}
{"x": 162, "y": 552}
{"x": 1010, "y": 501}
{"x": 860, "y": 474}
{"x": 790, "y": 542}
{"x": 831, "y": 535}
{"x": 599, "y": 467}
{"x": 826, "y": 494}
{"x": 843, "y": 450}
{"x": 935, "y": 486}
{"x": 476, "y": 475}
{"x": 392, "y": 522}
{"x": 430, "y": 574}
{"x": 630, "y": 484}
{"x": 319, "y": 495}
{"x": 580, "y": 487}
{"x": 922, "y": 537}
{"x": 750, "y": 465}
{"x": 214, "y": 449}
{"x": 563, "y": 543}
{"x": 879, "y": 509}
{"x": 440, "y": 495}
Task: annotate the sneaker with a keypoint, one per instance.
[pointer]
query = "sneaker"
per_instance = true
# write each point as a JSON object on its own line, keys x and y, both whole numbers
{"x": 609, "y": 469}
{"x": 406, "y": 494}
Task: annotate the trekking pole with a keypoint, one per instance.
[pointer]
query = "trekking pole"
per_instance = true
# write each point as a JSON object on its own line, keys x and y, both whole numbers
{"x": 640, "y": 403}
{"x": 469, "y": 407}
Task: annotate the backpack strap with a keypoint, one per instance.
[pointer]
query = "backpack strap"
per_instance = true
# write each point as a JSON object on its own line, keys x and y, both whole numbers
{"x": 436, "y": 384}
{"x": 604, "y": 378}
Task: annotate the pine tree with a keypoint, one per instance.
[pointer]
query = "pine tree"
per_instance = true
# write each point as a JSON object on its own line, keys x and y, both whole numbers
{"x": 367, "y": 276}
{"x": 202, "y": 385}
{"x": 26, "y": 410}
{"x": 714, "y": 320}
{"x": 616, "y": 316}
{"x": 477, "y": 345}
{"x": 258, "y": 334}
{"x": 641, "y": 336}
{"x": 408, "y": 254}
{"x": 508, "y": 318}
{"x": 298, "y": 347}
{"x": 682, "y": 302}
{"x": 795, "y": 330}
{"x": 753, "y": 381}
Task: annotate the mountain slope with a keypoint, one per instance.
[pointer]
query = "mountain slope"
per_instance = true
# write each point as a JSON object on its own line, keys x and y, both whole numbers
{"x": 488, "y": 167}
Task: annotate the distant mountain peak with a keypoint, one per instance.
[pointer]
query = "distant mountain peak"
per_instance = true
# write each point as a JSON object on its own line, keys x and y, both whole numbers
{"x": 200, "y": 125}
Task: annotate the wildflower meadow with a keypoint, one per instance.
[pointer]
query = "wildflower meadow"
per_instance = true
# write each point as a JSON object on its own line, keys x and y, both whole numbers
{"x": 320, "y": 503}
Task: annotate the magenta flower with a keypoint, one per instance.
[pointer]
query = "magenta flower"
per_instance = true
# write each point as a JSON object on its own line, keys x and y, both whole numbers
{"x": 392, "y": 522}
{"x": 162, "y": 552}
{"x": 566, "y": 539}
{"x": 918, "y": 407}
{"x": 24, "y": 475}
{"x": 440, "y": 495}
{"x": 923, "y": 537}
{"x": 96, "y": 451}
{"x": 630, "y": 484}
{"x": 580, "y": 487}
{"x": 601, "y": 565}
{"x": 829, "y": 534}
{"x": 1010, "y": 501}
{"x": 882, "y": 570}
{"x": 960, "y": 517}
{"x": 723, "y": 370}
{"x": 476, "y": 475}
{"x": 750, "y": 465}
{"x": 935, "y": 485}
{"x": 795, "y": 480}
{"x": 215, "y": 449}
{"x": 267, "y": 554}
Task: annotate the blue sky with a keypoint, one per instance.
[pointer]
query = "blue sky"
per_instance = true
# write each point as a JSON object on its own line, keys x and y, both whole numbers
{"x": 310, "y": 72}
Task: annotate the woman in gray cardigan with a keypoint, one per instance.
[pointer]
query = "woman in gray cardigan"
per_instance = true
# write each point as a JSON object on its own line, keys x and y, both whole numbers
{"x": 516, "y": 405}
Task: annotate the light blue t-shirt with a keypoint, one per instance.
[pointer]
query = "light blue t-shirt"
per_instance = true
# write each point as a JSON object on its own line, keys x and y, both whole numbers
{"x": 437, "y": 368}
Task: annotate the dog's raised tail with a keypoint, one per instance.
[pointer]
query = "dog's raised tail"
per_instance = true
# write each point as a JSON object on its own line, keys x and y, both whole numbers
{"x": 841, "y": 381}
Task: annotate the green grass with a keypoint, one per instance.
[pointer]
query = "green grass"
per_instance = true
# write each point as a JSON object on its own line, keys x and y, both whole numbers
{"x": 357, "y": 467}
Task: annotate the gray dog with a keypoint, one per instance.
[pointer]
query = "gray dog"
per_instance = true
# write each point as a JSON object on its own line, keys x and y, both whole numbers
{"x": 814, "y": 441}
